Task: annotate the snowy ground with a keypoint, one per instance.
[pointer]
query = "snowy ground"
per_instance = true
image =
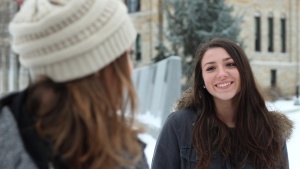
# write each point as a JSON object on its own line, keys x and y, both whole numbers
{"x": 286, "y": 106}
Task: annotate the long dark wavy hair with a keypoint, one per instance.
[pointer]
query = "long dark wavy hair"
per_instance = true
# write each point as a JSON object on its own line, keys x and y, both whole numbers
{"x": 254, "y": 138}
{"x": 86, "y": 120}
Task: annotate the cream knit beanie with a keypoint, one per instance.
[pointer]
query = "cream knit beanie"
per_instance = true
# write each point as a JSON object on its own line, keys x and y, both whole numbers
{"x": 69, "y": 39}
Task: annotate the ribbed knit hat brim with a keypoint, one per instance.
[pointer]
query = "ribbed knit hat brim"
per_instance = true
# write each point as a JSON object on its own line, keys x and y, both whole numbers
{"x": 75, "y": 38}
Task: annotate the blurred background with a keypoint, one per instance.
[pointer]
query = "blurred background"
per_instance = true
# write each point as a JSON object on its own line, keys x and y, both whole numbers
{"x": 169, "y": 31}
{"x": 266, "y": 29}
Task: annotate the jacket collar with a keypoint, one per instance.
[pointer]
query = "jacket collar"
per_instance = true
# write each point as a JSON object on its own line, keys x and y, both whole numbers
{"x": 279, "y": 120}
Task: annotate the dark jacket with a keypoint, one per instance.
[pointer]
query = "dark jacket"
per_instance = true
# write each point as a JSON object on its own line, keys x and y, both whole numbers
{"x": 20, "y": 146}
{"x": 174, "y": 149}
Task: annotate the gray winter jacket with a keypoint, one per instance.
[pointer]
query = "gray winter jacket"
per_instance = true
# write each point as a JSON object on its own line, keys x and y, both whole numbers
{"x": 12, "y": 152}
{"x": 174, "y": 149}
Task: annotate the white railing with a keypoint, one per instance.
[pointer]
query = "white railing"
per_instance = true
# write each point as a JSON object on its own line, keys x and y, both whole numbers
{"x": 158, "y": 87}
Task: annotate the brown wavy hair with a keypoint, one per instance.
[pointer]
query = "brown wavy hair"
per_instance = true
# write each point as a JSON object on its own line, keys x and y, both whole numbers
{"x": 254, "y": 138}
{"x": 86, "y": 120}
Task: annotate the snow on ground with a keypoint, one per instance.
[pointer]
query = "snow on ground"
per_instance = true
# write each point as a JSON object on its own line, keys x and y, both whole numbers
{"x": 148, "y": 119}
{"x": 285, "y": 106}
{"x": 150, "y": 141}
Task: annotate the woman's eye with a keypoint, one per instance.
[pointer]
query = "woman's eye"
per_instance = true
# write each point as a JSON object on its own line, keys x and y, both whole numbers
{"x": 231, "y": 64}
{"x": 210, "y": 69}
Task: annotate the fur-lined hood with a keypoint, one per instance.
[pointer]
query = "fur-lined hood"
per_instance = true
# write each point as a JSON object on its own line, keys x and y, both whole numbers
{"x": 281, "y": 121}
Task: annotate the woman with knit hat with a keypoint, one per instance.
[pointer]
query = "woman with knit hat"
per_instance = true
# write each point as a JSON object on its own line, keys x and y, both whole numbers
{"x": 73, "y": 115}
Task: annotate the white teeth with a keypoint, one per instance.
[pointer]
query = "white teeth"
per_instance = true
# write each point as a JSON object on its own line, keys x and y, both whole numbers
{"x": 223, "y": 85}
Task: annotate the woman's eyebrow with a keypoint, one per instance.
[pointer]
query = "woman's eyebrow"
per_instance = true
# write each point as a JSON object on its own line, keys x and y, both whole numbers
{"x": 229, "y": 58}
{"x": 213, "y": 62}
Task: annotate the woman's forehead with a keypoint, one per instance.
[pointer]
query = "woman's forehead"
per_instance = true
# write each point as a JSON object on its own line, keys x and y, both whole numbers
{"x": 215, "y": 54}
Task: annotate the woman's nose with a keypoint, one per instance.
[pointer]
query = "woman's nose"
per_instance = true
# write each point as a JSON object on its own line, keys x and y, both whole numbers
{"x": 222, "y": 74}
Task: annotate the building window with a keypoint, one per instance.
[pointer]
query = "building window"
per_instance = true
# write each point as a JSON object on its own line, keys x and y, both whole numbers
{"x": 283, "y": 35}
{"x": 273, "y": 77}
{"x": 138, "y": 47}
{"x": 133, "y": 5}
{"x": 136, "y": 52}
{"x": 257, "y": 34}
{"x": 270, "y": 35}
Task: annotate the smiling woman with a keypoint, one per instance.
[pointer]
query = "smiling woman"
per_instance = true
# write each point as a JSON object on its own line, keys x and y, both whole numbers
{"x": 222, "y": 121}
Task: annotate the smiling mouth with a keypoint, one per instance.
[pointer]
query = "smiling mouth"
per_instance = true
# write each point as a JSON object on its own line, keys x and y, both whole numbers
{"x": 224, "y": 84}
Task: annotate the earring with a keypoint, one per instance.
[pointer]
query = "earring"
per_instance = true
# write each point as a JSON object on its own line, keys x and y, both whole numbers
{"x": 203, "y": 86}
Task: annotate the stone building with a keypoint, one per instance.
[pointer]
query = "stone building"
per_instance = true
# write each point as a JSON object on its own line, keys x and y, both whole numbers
{"x": 147, "y": 17}
{"x": 8, "y": 61}
{"x": 269, "y": 31}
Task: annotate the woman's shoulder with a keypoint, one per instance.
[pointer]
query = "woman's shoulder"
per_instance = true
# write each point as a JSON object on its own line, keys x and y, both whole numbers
{"x": 282, "y": 124}
{"x": 186, "y": 100}
{"x": 185, "y": 107}
{"x": 13, "y": 152}
{"x": 183, "y": 118}
{"x": 185, "y": 114}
